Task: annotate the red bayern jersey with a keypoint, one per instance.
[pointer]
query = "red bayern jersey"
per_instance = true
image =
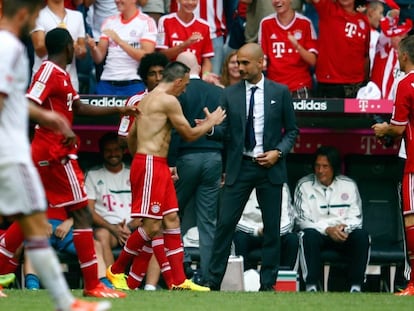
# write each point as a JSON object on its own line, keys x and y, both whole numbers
{"x": 172, "y": 31}
{"x": 52, "y": 89}
{"x": 343, "y": 44}
{"x": 284, "y": 63}
{"x": 403, "y": 114}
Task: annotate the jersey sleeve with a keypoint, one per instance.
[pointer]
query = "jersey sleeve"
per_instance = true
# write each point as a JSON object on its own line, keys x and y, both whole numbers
{"x": 39, "y": 90}
{"x": 402, "y": 106}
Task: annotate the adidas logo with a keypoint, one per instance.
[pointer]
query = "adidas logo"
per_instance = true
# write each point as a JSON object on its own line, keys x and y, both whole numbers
{"x": 100, "y": 182}
{"x": 273, "y": 36}
{"x": 174, "y": 35}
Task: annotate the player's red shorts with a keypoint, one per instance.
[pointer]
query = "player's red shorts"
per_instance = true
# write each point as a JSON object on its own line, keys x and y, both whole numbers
{"x": 408, "y": 193}
{"x": 153, "y": 192}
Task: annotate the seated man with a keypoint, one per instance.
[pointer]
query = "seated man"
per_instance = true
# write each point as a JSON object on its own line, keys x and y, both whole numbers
{"x": 329, "y": 212}
{"x": 249, "y": 232}
{"x": 109, "y": 197}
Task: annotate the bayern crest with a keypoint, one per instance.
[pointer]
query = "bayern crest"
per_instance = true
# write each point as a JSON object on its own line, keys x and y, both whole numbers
{"x": 155, "y": 208}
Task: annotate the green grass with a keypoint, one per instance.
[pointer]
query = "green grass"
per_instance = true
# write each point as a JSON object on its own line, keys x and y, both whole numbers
{"x": 21, "y": 300}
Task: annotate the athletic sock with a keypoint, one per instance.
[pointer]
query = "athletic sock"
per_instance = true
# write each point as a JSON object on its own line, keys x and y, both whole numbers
{"x": 47, "y": 266}
{"x": 135, "y": 242}
{"x": 159, "y": 252}
{"x": 139, "y": 267}
{"x": 9, "y": 243}
{"x": 85, "y": 248}
{"x": 175, "y": 254}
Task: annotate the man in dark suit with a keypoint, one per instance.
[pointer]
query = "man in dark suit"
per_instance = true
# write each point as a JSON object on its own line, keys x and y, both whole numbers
{"x": 198, "y": 163}
{"x": 260, "y": 129}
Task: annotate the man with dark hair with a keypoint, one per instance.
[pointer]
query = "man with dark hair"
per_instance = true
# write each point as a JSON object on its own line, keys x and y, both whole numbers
{"x": 57, "y": 164}
{"x": 21, "y": 192}
{"x": 329, "y": 212}
{"x": 153, "y": 193}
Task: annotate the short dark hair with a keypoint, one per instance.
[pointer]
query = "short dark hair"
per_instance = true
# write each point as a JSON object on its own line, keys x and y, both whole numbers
{"x": 174, "y": 70}
{"x": 151, "y": 60}
{"x": 407, "y": 46}
{"x": 57, "y": 40}
{"x": 333, "y": 156}
{"x": 10, "y": 7}
{"x": 106, "y": 138}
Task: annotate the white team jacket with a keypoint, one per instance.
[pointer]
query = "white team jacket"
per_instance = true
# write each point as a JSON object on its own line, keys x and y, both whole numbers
{"x": 341, "y": 204}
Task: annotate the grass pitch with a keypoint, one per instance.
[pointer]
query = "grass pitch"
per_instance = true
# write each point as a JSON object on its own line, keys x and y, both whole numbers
{"x": 22, "y": 300}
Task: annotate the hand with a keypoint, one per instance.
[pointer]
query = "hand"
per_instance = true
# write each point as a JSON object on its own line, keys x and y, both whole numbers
{"x": 130, "y": 111}
{"x": 337, "y": 233}
{"x": 268, "y": 158}
{"x": 59, "y": 124}
{"x": 113, "y": 35}
{"x": 174, "y": 174}
{"x": 216, "y": 117}
{"x": 293, "y": 40}
{"x": 195, "y": 37}
{"x": 63, "y": 229}
{"x": 121, "y": 232}
{"x": 380, "y": 129}
{"x": 211, "y": 77}
{"x": 90, "y": 42}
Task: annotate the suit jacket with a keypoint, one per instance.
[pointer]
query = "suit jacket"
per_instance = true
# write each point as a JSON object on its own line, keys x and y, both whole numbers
{"x": 198, "y": 94}
{"x": 280, "y": 129}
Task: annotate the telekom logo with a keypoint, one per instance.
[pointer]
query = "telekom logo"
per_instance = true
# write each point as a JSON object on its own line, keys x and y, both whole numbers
{"x": 278, "y": 49}
{"x": 350, "y": 29}
{"x": 363, "y": 105}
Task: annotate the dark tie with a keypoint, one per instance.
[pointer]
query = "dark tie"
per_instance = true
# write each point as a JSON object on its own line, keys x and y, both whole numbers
{"x": 250, "y": 140}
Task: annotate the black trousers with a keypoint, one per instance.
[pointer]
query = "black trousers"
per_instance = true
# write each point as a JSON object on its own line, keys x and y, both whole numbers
{"x": 355, "y": 250}
{"x": 233, "y": 200}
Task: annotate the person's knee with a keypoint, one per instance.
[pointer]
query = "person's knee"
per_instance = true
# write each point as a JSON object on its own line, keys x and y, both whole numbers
{"x": 171, "y": 221}
{"x": 152, "y": 227}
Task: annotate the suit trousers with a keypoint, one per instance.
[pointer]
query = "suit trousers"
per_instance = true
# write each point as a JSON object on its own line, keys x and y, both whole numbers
{"x": 232, "y": 202}
{"x": 199, "y": 179}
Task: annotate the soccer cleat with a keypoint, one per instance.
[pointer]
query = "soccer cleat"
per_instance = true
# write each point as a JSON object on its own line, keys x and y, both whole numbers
{"x": 101, "y": 291}
{"x": 409, "y": 291}
{"x": 190, "y": 285}
{"x": 2, "y": 295}
{"x": 7, "y": 279}
{"x": 118, "y": 280}
{"x": 81, "y": 305}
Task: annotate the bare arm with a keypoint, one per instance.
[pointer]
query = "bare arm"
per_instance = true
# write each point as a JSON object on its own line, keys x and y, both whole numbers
{"x": 308, "y": 57}
{"x": 38, "y": 40}
{"x": 173, "y": 52}
{"x": 188, "y": 133}
{"x": 98, "y": 51}
{"x": 384, "y": 128}
{"x": 132, "y": 138}
{"x": 90, "y": 110}
{"x": 135, "y": 53}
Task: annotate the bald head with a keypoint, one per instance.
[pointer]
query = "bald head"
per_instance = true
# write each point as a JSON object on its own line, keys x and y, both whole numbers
{"x": 190, "y": 60}
{"x": 254, "y": 50}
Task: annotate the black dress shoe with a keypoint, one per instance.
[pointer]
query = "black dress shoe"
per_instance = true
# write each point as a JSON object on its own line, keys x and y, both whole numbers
{"x": 267, "y": 288}
{"x": 212, "y": 286}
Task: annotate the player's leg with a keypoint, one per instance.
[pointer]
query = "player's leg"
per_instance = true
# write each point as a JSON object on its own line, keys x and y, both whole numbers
{"x": 408, "y": 210}
{"x": 85, "y": 248}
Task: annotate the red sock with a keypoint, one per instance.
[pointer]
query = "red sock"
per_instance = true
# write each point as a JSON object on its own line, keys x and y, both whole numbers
{"x": 139, "y": 267}
{"x": 409, "y": 235}
{"x": 175, "y": 254}
{"x": 159, "y": 252}
{"x": 9, "y": 243}
{"x": 134, "y": 244}
{"x": 83, "y": 241}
